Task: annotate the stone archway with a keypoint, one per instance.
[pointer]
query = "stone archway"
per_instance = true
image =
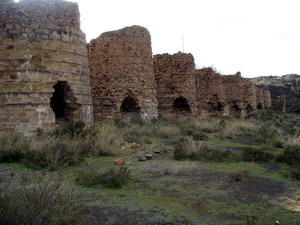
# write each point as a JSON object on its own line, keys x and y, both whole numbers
{"x": 236, "y": 109}
{"x": 181, "y": 105}
{"x": 259, "y": 106}
{"x": 130, "y": 106}
{"x": 63, "y": 102}
{"x": 249, "y": 108}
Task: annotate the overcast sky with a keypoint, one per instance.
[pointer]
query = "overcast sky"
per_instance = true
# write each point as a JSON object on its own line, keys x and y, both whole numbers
{"x": 256, "y": 37}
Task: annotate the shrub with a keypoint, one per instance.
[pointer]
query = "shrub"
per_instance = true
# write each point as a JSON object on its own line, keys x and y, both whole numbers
{"x": 88, "y": 177}
{"x": 41, "y": 203}
{"x": 290, "y": 155}
{"x": 186, "y": 149}
{"x": 72, "y": 129}
{"x": 112, "y": 178}
{"x": 167, "y": 131}
{"x": 237, "y": 127}
{"x": 54, "y": 153}
{"x": 269, "y": 135}
{"x": 102, "y": 140}
{"x": 257, "y": 154}
{"x": 12, "y": 146}
{"x": 195, "y": 134}
{"x": 182, "y": 150}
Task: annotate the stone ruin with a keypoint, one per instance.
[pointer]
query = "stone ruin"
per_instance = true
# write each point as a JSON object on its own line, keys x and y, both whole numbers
{"x": 122, "y": 74}
{"x": 44, "y": 74}
{"x": 176, "y": 84}
{"x": 230, "y": 94}
{"x": 48, "y": 74}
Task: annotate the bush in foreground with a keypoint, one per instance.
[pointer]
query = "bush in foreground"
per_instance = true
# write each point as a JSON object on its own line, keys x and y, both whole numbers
{"x": 39, "y": 202}
{"x": 290, "y": 155}
{"x": 257, "y": 154}
{"x": 112, "y": 178}
{"x": 186, "y": 149}
{"x": 54, "y": 153}
{"x": 12, "y": 146}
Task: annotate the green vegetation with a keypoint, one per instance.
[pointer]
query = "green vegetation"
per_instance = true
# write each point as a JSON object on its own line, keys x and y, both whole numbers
{"x": 37, "y": 200}
{"x": 112, "y": 178}
{"x": 209, "y": 170}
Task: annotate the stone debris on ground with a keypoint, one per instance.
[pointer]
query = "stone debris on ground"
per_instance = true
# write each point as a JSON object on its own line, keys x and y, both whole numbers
{"x": 119, "y": 161}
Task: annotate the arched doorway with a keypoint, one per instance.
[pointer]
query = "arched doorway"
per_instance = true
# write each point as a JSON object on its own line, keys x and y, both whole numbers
{"x": 63, "y": 102}
{"x": 181, "y": 105}
{"x": 259, "y": 106}
{"x": 236, "y": 109}
{"x": 248, "y": 108}
{"x": 129, "y": 105}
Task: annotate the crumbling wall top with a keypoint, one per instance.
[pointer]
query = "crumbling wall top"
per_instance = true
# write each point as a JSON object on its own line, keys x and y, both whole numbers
{"x": 45, "y": 13}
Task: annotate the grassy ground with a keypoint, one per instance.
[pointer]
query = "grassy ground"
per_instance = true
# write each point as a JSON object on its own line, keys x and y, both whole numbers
{"x": 168, "y": 191}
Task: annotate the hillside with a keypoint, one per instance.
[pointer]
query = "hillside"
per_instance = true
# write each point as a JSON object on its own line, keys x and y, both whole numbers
{"x": 290, "y": 81}
{"x": 287, "y": 85}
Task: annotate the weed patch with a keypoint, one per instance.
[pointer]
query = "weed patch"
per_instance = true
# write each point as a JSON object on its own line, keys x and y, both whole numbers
{"x": 257, "y": 154}
{"x": 112, "y": 178}
{"x": 39, "y": 201}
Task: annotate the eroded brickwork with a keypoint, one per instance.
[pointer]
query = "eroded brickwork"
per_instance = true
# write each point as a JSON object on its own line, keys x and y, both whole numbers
{"x": 228, "y": 94}
{"x": 122, "y": 74}
{"x": 176, "y": 84}
{"x": 42, "y": 46}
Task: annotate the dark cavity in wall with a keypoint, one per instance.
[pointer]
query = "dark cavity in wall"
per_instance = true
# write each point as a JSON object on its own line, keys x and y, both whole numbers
{"x": 129, "y": 105}
{"x": 181, "y": 105}
{"x": 259, "y": 106}
{"x": 63, "y": 102}
{"x": 248, "y": 109}
{"x": 236, "y": 109}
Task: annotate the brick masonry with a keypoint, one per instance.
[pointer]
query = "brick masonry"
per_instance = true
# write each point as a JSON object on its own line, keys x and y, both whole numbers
{"x": 41, "y": 44}
{"x": 121, "y": 66}
{"x": 48, "y": 73}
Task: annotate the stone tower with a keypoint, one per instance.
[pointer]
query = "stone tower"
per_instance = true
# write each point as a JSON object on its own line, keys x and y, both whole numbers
{"x": 44, "y": 76}
{"x": 176, "y": 84}
{"x": 122, "y": 74}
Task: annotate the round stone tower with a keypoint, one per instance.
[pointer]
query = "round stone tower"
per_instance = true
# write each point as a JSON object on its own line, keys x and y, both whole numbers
{"x": 44, "y": 76}
{"x": 122, "y": 74}
{"x": 176, "y": 84}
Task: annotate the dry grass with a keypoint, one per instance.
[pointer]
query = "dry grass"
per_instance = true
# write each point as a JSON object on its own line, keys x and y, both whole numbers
{"x": 238, "y": 126}
{"x": 104, "y": 139}
{"x": 293, "y": 140}
{"x": 207, "y": 124}
{"x": 54, "y": 152}
{"x": 167, "y": 131}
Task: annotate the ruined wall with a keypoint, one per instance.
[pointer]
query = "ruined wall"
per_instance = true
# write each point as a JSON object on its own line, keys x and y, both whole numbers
{"x": 263, "y": 98}
{"x": 122, "y": 73}
{"x": 176, "y": 84}
{"x": 228, "y": 94}
{"x": 41, "y": 44}
{"x": 210, "y": 92}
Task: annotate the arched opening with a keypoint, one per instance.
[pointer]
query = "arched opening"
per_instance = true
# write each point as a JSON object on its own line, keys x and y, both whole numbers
{"x": 248, "y": 108}
{"x": 181, "y": 105}
{"x": 219, "y": 107}
{"x": 236, "y": 109}
{"x": 129, "y": 105}
{"x": 259, "y": 106}
{"x": 63, "y": 102}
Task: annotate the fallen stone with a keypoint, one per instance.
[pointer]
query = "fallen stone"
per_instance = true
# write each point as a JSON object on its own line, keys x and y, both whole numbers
{"x": 148, "y": 156}
{"x": 120, "y": 161}
{"x": 142, "y": 158}
{"x": 157, "y": 151}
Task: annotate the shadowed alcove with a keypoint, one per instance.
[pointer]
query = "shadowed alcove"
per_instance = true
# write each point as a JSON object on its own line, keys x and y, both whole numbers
{"x": 181, "y": 105}
{"x": 129, "y": 105}
{"x": 63, "y": 102}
